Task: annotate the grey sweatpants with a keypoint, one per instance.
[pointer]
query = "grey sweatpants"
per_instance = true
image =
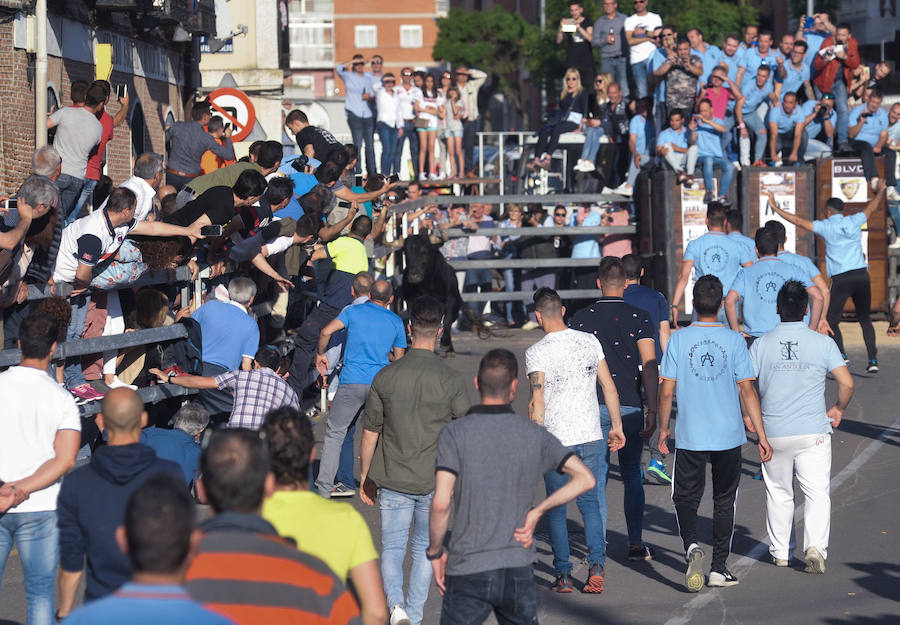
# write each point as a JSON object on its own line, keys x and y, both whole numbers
{"x": 349, "y": 402}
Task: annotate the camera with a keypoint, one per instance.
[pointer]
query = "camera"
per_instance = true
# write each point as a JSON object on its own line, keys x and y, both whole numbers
{"x": 300, "y": 162}
{"x": 343, "y": 204}
{"x": 394, "y": 178}
{"x": 211, "y": 231}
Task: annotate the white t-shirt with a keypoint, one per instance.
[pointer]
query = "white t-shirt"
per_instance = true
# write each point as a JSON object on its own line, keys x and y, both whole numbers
{"x": 144, "y": 193}
{"x": 568, "y": 359}
{"x": 406, "y": 99}
{"x": 35, "y": 408}
{"x": 642, "y": 51}
{"x": 89, "y": 240}
{"x": 435, "y": 102}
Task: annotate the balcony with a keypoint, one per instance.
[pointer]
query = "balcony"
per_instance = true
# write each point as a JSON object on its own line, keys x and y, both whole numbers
{"x": 311, "y": 25}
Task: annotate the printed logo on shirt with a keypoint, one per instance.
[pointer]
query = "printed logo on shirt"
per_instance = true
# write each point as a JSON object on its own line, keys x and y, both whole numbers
{"x": 715, "y": 258}
{"x": 707, "y": 360}
{"x": 789, "y": 350}
{"x": 767, "y": 286}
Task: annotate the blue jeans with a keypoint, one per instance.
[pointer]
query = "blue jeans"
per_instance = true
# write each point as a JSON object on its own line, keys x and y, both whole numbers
{"x": 709, "y": 163}
{"x": 618, "y": 67}
{"x": 388, "y": 136}
{"x": 839, "y": 91}
{"x": 594, "y": 455}
{"x": 69, "y": 192}
{"x": 630, "y": 468}
{"x": 639, "y": 73}
{"x": 37, "y": 538}
{"x": 86, "y": 197}
{"x": 409, "y": 134}
{"x": 362, "y": 129}
{"x": 398, "y": 511}
{"x": 756, "y": 129}
{"x": 73, "y": 374}
{"x": 634, "y": 171}
{"x": 591, "y": 146}
{"x": 345, "y": 466}
{"x": 509, "y": 593}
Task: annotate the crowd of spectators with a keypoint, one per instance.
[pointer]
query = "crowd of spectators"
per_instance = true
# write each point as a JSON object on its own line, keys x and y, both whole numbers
{"x": 670, "y": 99}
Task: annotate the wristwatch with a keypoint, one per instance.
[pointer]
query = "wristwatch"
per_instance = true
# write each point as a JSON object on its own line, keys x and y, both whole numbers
{"x": 434, "y": 556}
{"x": 171, "y": 375}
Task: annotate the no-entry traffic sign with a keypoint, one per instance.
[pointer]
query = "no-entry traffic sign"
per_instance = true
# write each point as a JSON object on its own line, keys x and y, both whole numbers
{"x": 235, "y": 107}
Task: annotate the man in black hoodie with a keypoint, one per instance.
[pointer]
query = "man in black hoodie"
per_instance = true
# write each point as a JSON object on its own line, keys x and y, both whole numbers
{"x": 92, "y": 501}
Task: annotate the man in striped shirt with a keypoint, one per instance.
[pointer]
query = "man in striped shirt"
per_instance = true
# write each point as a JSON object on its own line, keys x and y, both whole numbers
{"x": 243, "y": 570}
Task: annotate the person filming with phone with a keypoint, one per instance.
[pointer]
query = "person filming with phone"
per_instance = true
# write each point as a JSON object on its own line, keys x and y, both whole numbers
{"x": 833, "y": 71}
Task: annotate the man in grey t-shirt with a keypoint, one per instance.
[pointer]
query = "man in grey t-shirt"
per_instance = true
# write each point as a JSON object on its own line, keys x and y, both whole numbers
{"x": 609, "y": 38}
{"x": 78, "y": 131}
{"x": 488, "y": 464}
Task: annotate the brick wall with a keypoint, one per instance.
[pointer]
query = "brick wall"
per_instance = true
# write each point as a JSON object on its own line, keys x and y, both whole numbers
{"x": 156, "y": 98}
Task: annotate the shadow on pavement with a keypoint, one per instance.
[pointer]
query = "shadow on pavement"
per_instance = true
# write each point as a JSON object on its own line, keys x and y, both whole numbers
{"x": 881, "y": 578}
{"x": 884, "y": 619}
{"x": 869, "y": 430}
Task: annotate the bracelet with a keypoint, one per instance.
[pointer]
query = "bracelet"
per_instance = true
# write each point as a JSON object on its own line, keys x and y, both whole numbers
{"x": 435, "y": 556}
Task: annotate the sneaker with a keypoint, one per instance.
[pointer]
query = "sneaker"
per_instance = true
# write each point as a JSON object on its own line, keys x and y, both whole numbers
{"x": 399, "y": 616}
{"x": 708, "y": 197}
{"x": 434, "y": 177}
{"x": 589, "y": 166}
{"x": 815, "y": 563}
{"x": 760, "y": 163}
{"x": 736, "y": 165}
{"x": 893, "y": 195}
{"x": 594, "y": 585}
{"x": 117, "y": 383}
{"x": 721, "y": 579}
{"x": 872, "y": 366}
{"x": 636, "y": 553}
{"x": 846, "y": 360}
{"x": 342, "y": 490}
{"x": 874, "y": 183}
{"x": 563, "y": 584}
{"x": 85, "y": 393}
{"x": 624, "y": 189}
{"x": 656, "y": 472}
{"x": 606, "y": 191}
{"x": 579, "y": 166}
{"x": 423, "y": 176}
{"x": 693, "y": 577}
{"x": 530, "y": 325}
{"x": 895, "y": 244}
{"x": 780, "y": 562}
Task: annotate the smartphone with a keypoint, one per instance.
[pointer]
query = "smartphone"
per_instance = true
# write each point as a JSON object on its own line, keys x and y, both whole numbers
{"x": 227, "y": 125}
{"x": 809, "y": 23}
{"x": 10, "y": 204}
{"x": 211, "y": 231}
{"x": 394, "y": 178}
{"x": 343, "y": 204}
{"x": 358, "y": 180}
{"x": 121, "y": 91}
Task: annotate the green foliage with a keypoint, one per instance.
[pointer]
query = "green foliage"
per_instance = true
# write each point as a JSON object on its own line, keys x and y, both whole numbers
{"x": 496, "y": 41}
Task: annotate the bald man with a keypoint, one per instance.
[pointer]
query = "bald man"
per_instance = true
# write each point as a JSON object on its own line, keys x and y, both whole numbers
{"x": 92, "y": 500}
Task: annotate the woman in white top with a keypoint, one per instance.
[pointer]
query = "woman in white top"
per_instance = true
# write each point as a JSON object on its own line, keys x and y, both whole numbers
{"x": 389, "y": 122}
{"x": 452, "y": 113}
{"x": 427, "y": 125}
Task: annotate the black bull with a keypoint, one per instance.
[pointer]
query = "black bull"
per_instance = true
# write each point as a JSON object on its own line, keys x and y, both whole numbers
{"x": 427, "y": 273}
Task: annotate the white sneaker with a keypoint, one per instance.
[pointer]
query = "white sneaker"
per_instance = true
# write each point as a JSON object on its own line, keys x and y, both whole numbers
{"x": 893, "y": 195}
{"x": 399, "y": 616}
{"x": 737, "y": 165}
{"x": 895, "y": 244}
{"x": 579, "y": 166}
{"x": 434, "y": 177}
{"x": 117, "y": 383}
{"x": 815, "y": 563}
{"x": 588, "y": 167}
{"x": 874, "y": 183}
{"x": 423, "y": 176}
{"x": 530, "y": 325}
{"x": 624, "y": 189}
{"x": 606, "y": 191}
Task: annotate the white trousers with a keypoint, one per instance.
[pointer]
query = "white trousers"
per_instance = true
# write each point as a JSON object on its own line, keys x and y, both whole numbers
{"x": 809, "y": 458}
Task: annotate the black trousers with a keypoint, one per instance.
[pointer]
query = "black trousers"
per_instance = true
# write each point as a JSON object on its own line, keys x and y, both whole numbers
{"x": 854, "y": 284}
{"x": 867, "y": 156}
{"x": 305, "y": 346}
{"x": 689, "y": 482}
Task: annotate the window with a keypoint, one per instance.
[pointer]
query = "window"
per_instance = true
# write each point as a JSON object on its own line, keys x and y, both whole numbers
{"x": 366, "y": 37}
{"x": 411, "y": 36}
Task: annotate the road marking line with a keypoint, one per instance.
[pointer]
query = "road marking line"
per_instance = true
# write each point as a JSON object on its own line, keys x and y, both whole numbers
{"x": 745, "y": 563}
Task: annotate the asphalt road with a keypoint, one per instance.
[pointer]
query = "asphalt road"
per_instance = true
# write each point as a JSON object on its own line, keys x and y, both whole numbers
{"x": 860, "y": 587}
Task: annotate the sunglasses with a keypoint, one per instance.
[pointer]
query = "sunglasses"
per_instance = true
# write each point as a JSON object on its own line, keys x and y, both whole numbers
{"x": 377, "y": 62}
{"x": 559, "y": 214}
{"x": 389, "y": 82}
{"x": 571, "y": 78}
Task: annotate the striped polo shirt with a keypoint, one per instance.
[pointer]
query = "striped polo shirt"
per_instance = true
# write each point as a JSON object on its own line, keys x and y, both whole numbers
{"x": 246, "y": 572}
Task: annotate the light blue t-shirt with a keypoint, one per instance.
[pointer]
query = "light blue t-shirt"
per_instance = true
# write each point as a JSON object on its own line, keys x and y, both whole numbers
{"x": 791, "y": 362}
{"x": 657, "y": 59}
{"x": 643, "y": 131}
{"x": 752, "y": 59}
{"x": 707, "y": 360}
{"x": 733, "y": 62}
{"x": 843, "y": 242}
{"x": 669, "y": 135}
{"x": 303, "y": 183}
{"x": 145, "y": 604}
{"x": 586, "y": 245}
{"x": 287, "y": 168}
{"x": 805, "y": 265}
{"x": 758, "y": 286}
{"x": 786, "y": 121}
{"x": 755, "y": 95}
{"x": 873, "y": 126}
{"x": 748, "y": 243}
{"x": 709, "y": 140}
{"x": 712, "y": 57}
{"x": 814, "y": 41}
{"x": 794, "y": 78}
{"x": 714, "y": 253}
{"x": 228, "y": 333}
{"x": 817, "y": 124}
{"x": 372, "y": 332}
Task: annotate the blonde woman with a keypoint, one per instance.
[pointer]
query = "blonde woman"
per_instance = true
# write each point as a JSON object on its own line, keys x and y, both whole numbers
{"x": 567, "y": 118}
{"x": 593, "y": 123}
